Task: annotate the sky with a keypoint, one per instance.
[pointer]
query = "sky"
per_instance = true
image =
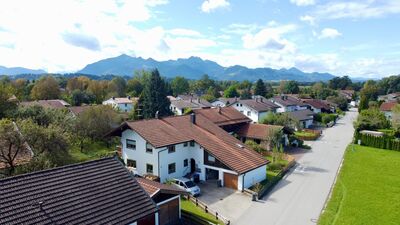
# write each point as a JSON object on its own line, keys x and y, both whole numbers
{"x": 356, "y": 38}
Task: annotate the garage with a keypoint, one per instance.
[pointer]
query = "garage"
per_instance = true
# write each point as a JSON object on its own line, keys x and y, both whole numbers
{"x": 169, "y": 212}
{"x": 230, "y": 180}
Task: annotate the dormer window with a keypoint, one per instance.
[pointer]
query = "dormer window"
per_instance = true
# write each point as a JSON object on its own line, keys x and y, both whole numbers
{"x": 149, "y": 148}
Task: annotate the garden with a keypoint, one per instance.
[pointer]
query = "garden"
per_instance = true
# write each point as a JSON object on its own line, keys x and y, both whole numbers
{"x": 197, "y": 213}
{"x": 307, "y": 135}
{"x": 367, "y": 189}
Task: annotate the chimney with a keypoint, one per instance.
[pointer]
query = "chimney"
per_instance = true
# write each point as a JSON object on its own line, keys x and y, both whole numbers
{"x": 190, "y": 99}
{"x": 198, "y": 100}
{"x": 113, "y": 98}
{"x": 219, "y": 109}
{"x": 256, "y": 99}
{"x": 129, "y": 97}
{"x": 235, "y": 99}
{"x": 282, "y": 97}
{"x": 156, "y": 115}
{"x": 261, "y": 99}
{"x": 193, "y": 118}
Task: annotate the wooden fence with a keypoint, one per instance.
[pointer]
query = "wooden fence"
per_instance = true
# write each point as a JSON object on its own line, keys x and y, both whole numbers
{"x": 206, "y": 209}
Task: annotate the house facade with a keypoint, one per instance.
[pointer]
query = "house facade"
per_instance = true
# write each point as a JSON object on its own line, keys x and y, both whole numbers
{"x": 386, "y": 108}
{"x": 121, "y": 104}
{"x": 189, "y": 146}
{"x": 304, "y": 117}
{"x": 179, "y": 106}
{"x": 256, "y": 109}
{"x": 288, "y": 103}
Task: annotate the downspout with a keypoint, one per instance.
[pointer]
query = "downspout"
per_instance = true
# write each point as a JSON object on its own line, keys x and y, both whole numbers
{"x": 158, "y": 160}
{"x": 243, "y": 182}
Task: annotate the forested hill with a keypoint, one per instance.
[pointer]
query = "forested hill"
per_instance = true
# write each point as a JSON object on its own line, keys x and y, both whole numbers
{"x": 195, "y": 67}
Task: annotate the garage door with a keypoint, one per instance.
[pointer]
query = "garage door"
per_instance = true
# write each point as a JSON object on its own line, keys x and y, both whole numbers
{"x": 230, "y": 180}
{"x": 169, "y": 212}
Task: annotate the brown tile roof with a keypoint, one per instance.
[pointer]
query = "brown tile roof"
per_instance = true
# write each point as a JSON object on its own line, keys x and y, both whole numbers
{"x": 301, "y": 115}
{"x": 96, "y": 192}
{"x": 223, "y": 116}
{"x": 256, "y": 131}
{"x": 287, "y": 100}
{"x": 54, "y": 104}
{"x": 76, "y": 110}
{"x": 316, "y": 103}
{"x": 259, "y": 104}
{"x": 388, "y": 106}
{"x": 125, "y": 100}
{"x": 173, "y": 130}
{"x": 153, "y": 187}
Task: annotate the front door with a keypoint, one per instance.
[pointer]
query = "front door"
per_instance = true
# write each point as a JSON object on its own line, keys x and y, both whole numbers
{"x": 192, "y": 165}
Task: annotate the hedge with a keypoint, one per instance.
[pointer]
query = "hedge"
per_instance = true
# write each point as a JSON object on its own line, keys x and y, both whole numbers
{"x": 385, "y": 142}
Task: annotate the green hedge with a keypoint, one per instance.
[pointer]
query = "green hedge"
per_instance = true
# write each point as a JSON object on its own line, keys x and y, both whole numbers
{"x": 385, "y": 142}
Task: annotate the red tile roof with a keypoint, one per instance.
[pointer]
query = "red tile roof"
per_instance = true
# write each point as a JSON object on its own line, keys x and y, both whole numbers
{"x": 173, "y": 130}
{"x": 316, "y": 103}
{"x": 153, "y": 187}
{"x": 223, "y": 116}
{"x": 256, "y": 131}
{"x": 55, "y": 103}
{"x": 76, "y": 110}
{"x": 388, "y": 106}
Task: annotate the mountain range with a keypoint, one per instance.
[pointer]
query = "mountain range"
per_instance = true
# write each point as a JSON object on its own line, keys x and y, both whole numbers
{"x": 191, "y": 68}
{"x": 195, "y": 67}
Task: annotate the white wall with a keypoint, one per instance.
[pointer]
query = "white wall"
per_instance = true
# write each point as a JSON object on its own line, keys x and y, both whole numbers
{"x": 218, "y": 103}
{"x": 125, "y": 107}
{"x": 175, "y": 110}
{"x": 245, "y": 109}
{"x": 254, "y": 176}
{"x": 139, "y": 155}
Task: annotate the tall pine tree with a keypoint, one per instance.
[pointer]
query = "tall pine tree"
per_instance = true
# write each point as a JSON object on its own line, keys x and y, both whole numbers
{"x": 260, "y": 88}
{"x": 155, "y": 97}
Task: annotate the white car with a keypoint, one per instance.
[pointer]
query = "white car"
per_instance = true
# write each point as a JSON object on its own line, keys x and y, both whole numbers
{"x": 187, "y": 185}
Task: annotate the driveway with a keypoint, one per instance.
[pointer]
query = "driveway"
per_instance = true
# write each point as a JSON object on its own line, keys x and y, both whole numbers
{"x": 300, "y": 196}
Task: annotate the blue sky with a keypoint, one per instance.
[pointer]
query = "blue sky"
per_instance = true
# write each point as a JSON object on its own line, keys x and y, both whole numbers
{"x": 358, "y": 38}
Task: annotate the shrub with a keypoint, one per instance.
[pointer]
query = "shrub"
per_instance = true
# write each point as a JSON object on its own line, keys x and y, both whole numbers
{"x": 275, "y": 166}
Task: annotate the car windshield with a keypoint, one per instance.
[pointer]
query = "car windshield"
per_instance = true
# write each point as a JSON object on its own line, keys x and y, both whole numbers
{"x": 190, "y": 184}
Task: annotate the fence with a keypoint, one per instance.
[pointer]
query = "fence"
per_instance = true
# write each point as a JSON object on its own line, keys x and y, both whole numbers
{"x": 206, "y": 209}
{"x": 268, "y": 187}
{"x": 189, "y": 218}
{"x": 385, "y": 142}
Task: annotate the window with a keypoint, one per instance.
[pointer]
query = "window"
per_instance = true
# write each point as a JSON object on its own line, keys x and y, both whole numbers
{"x": 191, "y": 143}
{"x": 185, "y": 144}
{"x": 185, "y": 163}
{"x": 241, "y": 104}
{"x": 149, "y": 168}
{"x": 171, "y": 148}
{"x": 149, "y": 148}
{"x": 131, "y": 163}
{"x": 171, "y": 168}
{"x": 211, "y": 158}
{"x": 248, "y": 113}
{"x": 237, "y": 104}
{"x": 131, "y": 144}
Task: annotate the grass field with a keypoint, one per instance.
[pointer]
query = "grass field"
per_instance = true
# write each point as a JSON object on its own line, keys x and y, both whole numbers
{"x": 367, "y": 190}
{"x": 193, "y": 209}
{"x": 91, "y": 151}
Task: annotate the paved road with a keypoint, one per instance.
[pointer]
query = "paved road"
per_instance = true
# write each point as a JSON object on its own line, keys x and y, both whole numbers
{"x": 300, "y": 196}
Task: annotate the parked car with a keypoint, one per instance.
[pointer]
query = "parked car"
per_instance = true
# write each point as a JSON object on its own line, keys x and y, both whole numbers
{"x": 188, "y": 185}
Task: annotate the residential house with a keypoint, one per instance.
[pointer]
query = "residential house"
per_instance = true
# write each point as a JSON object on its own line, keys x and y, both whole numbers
{"x": 255, "y": 109}
{"x": 190, "y": 146}
{"x": 288, "y": 103}
{"x": 180, "y": 105}
{"x": 260, "y": 134}
{"x": 228, "y": 118}
{"x": 76, "y": 110}
{"x": 319, "y": 106}
{"x": 387, "y": 107}
{"x": 167, "y": 199}
{"x": 52, "y": 104}
{"x": 389, "y": 97}
{"x": 222, "y": 102}
{"x": 96, "y": 192}
{"x": 122, "y": 104}
{"x": 304, "y": 117}
{"x": 348, "y": 94}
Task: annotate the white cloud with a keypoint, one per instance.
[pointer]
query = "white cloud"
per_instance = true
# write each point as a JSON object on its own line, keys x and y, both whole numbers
{"x": 357, "y": 9}
{"x": 240, "y": 29}
{"x": 184, "y": 32}
{"x": 329, "y": 33}
{"x": 303, "y": 2}
{"x": 211, "y": 5}
{"x": 309, "y": 19}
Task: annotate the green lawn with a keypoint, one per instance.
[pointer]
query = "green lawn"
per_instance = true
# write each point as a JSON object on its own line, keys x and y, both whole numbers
{"x": 91, "y": 151}
{"x": 367, "y": 190}
{"x": 192, "y": 208}
{"x": 304, "y": 134}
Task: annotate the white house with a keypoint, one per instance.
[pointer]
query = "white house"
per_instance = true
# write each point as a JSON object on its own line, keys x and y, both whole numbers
{"x": 255, "y": 109}
{"x": 190, "y": 146}
{"x": 288, "y": 103}
{"x": 304, "y": 117}
{"x": 121, "y": 104}
{"x": 179, "y": 106}
{"x": 223, "y": 102}
{"x": 387, "y": 107}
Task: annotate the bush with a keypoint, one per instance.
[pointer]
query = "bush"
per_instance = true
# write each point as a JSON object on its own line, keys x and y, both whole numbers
{"x": 385, "y": 142}
{"x": 275, "y": 166}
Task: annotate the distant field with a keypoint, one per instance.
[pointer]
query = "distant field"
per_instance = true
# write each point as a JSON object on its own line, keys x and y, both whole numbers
{"x": 367, "y": 190}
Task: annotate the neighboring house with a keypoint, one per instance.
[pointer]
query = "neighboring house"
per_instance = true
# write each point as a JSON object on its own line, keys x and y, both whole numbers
{"x": 121, "y": 104}
{"x": 389, "y": 97}
{"x": 304, "y": 117}
{"x": 288, "y": 103}
{"x": 319, "y": 106}
{"x": 96, "y": 192}
{"x": 222, "y": 102}
{"x": 180, "y": 105}
{"x": 228, "y": 118}
{"x": 166, "y": 197}
{"x": 260, "y": 134}
{"x": 255, "y": 109}
{"x": 190, "y": 146}
{"x": 53, "y": 104}
{"x": 348, "y": 94}
{"x": 76, "y": 110}
{"x": 386, "y": 108}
